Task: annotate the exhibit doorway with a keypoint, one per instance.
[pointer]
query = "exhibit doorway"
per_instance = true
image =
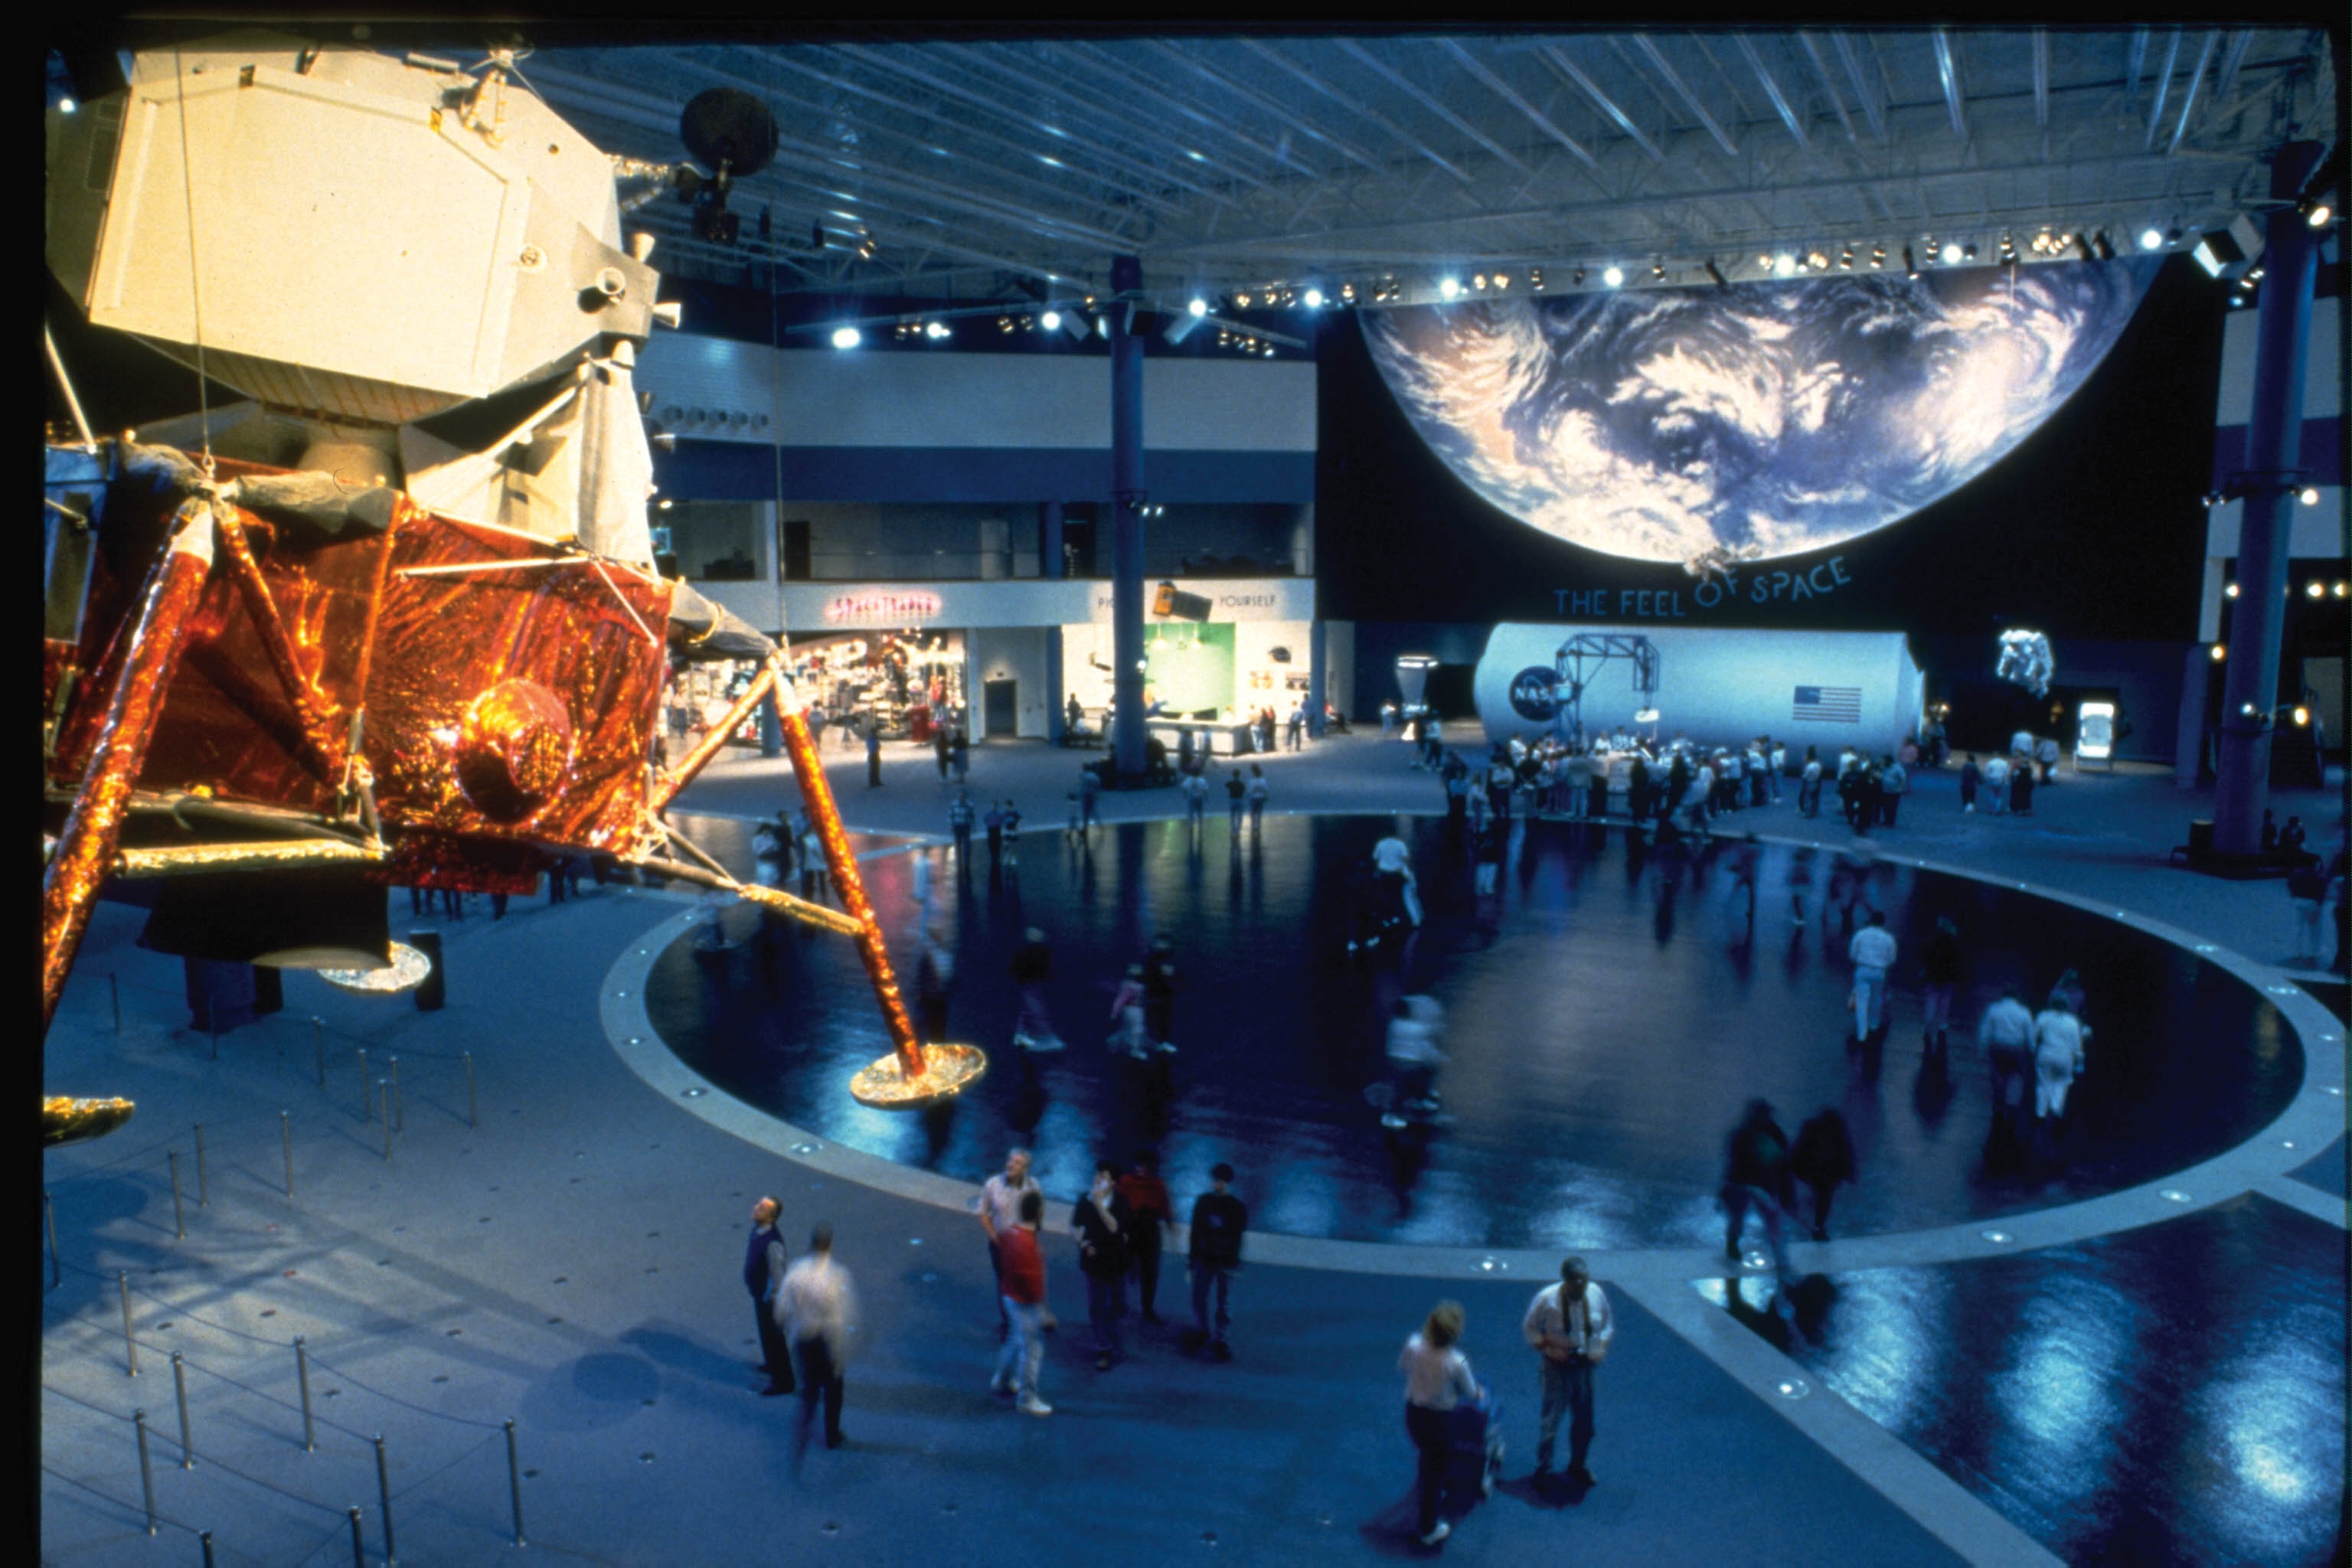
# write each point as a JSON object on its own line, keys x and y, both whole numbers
{"x": 1001, "y": 707}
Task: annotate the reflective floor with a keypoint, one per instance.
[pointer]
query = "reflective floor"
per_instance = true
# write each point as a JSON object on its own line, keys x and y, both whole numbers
{"x": 2168, "y": 1394}
{"x": 1608, "y": 1014}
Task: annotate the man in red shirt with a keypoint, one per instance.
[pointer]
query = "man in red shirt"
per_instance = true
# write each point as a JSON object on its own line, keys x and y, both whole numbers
{"x": 1022, "y": 1274}
{"x": 1147, "y": 1200}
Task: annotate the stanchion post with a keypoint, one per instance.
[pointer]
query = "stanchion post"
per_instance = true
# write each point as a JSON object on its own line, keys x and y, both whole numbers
{"x": 286, "y": 1132}
{"x": 49, "y": 1219}
{"x": 146, "y": 1470}
{"x": 302, "y": 1375}
{"x": 204, "y": 1187}
{"x": 383, "y": 1087}
{"x": 384, "y": 1500}
{"x": 367, "y": 1086}
{"x": 399, "y": 1122}
{"x": 205, "y": 1538}
{"x": 514, "y": 1480}
{"x": 318, "y": 1045}
{"x": 129, "y": 1345}
{"x": 179, "y": 1214}
{"x": 472, "y": 1110}
{"x": 359, "y": 1547}
{"x": 180, "y": 1388}
{"x": 114, "y": 987}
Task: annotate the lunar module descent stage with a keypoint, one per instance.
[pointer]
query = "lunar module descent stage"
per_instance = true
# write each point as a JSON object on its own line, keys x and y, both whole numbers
{"x": 395, "y": 620}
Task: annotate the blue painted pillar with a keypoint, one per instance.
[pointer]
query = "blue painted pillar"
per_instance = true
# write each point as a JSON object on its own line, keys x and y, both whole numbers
{"x": 2266, "y": 525}
{"x": 772, "y": 727}
{"x": 1315, "y": 667}
{"x": 1127, "y": 516}
{"x": 1051, "y": 563}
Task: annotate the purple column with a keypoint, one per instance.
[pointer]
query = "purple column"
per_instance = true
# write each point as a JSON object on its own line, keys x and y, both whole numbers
{"x": 1127, "y": 515}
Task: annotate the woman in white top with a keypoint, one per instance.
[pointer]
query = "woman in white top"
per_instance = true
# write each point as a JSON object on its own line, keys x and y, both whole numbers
{"x": 2057, "y": 1060}
{"x": 1437, "y": 1377}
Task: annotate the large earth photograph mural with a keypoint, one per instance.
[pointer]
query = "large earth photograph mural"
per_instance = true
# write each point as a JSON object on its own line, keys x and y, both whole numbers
{"x": 1754, "y": 421}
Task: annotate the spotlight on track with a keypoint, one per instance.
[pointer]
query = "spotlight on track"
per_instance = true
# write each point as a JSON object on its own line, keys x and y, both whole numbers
{"x": 1179, "y": 326}
{"x": 2151, "y": 239}
{"x": 1313, "y": 298}
{"x": 1785, "y": 264}
{"x": 2105, "y": 246}
{"x": 1878, "y": 255}
{"x": 1447, "y": 287}
{"x": 1073, "y": 325}
{"x": 1716, "y": 273}
{"x": 1051, "y": 320}
{"x": 1951, "y": 253}
{"x": 1615, "y": 276}
{"x": 2309, "y": 495}
{"x": 1658, "y": 271}
{"x": 1535, "y": 278}
{"x": 2082, "y": 247}
{"x": 1910, "y": 263}
{"x": 1578, "y": 280}
{"x": 848, "y": 337}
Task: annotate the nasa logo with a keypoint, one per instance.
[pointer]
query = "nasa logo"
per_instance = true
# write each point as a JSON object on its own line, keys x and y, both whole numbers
{"x": 1535, "y": 694}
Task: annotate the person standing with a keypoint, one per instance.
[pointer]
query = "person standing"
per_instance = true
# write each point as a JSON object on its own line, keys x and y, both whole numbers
{"x": 1196, "y": 796}
{"x": 1494, "y": 844}
{"x": 1022, "y": 1293}
{"x": 1873, "y": 952}
{"x": 1214, "y": 1252}
{"x": 2057, "y": 1062}
{"x": 1892, "y": 781}
{"x": 994, "y": 822}
{"x": 2045, "y": 757}
{"x": 1579, "y": 767}
{"x": 1150, "y": 1214}
{"x": 1437, "y": 1377}
{"x": 1940, "y": 969}
{"x": 1637, "y": 789}
{"x": 1126, "y": 1037}
{"x": 873, "y": 752}
{"x": 1777, "y": 760}
{"x": 1000, "y": 1211}
{"x": 2006, "y": 1035}
{"x": 1090, "y": 793}
{"x": 2306, "y": 887}
{"x": 1257, "y": 794}
{"x": 961, "y": 816}
{"x": 1809, "y": 784}
{"x": 960, "y": 754}
{"x": 1971, "y": 778}
{"x": 1103, "y": 1223}
{"x": 940, "y": 749}
{"x": 1296, "y": 728}
{"x": 1569, "y": 1326}
{"x": 1011, "y": 836}
{"x": 1160, "y": 1020}
{"x": 1756, "y": 1175}
{"x": 818, "y": 1309}
{"x": 1823, "y": 1157}
{"x": 1996, "y": 785}
{"x": 1235, "y": 791}
{"x": 763, "y": 1271}
{"x": 2020, "y": 784}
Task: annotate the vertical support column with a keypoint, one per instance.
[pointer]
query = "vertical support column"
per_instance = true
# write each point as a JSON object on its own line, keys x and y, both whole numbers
{"x": 1052, "y": 564}
{"x": 1127, "y": 518}
{"x": 2266, "y": 525}
{"x": 772, "y": 727}
{"x": 1316, "y": 666}
{"x": 1055, "y": 694}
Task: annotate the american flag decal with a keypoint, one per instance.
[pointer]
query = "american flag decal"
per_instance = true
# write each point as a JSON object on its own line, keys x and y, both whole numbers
{"x": 1828, "y": 704}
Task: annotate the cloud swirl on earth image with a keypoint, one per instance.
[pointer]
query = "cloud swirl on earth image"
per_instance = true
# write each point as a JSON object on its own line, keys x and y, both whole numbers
{"x": 1664, "y": 423}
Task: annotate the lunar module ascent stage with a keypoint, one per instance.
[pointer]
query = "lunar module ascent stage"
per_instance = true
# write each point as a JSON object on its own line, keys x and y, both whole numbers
{"x": 395, "y": 620}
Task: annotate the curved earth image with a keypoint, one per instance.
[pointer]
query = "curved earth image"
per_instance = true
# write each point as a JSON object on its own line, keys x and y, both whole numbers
{"x": 1761, "y": 420}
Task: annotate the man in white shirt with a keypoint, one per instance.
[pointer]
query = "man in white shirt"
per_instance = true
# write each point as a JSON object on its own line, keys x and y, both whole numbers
{"x": 1196, "y": 797}
{"x": 1000, "y": 1211}
{"x": 1569, "y": 1326}
{"x": 1873, "y": 952}
{"x": 815, "y": 1307}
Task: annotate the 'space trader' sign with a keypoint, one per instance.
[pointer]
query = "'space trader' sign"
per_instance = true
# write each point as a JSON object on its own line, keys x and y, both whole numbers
{"x": 1761, "y": 584}
{"x": 894, "y": 607}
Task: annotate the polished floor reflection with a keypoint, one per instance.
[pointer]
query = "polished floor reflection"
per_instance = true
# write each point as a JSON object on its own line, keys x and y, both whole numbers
{"x": 1609, "y": 1011}
{"x": 2168, "y": 1394}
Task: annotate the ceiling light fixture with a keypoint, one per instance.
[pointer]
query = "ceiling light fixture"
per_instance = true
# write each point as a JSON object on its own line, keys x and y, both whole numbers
{"x": 1314, "y": 299}
{"x": 2151, "y": 239}
{"x": 1910, "y": 263}
{"x": 1784, "y": 264}
{"x": 1613, "y": 277}
{"x": 1449, "y": 286}
{"x": 1951, "y": 253}
{"x": 846, "y": 337}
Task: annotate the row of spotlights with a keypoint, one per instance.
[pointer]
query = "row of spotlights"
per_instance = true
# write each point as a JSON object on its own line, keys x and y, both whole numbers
{"x": 2315, "y": 589}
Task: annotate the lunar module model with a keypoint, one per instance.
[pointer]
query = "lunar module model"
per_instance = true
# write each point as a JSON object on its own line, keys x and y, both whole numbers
{"x": 394, "y": 620}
